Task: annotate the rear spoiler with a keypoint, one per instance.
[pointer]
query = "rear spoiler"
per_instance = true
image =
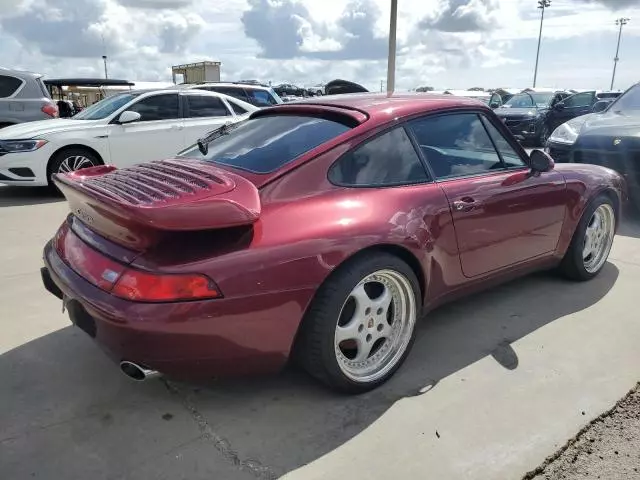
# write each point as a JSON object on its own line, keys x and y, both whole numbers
{"x": 134, "y": 206}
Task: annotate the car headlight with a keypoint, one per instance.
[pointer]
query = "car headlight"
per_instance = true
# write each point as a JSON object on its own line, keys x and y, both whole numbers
{"x": 20, "y": 146}
{"x": 568, "y": 132}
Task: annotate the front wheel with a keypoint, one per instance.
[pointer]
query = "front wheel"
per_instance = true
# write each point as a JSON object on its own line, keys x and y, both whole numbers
{"x": 361, "y": 325}
{"x": 592, "y": 241}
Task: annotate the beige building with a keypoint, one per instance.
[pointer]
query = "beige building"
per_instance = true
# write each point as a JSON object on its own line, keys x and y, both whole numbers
{"x": 196, "y": 72}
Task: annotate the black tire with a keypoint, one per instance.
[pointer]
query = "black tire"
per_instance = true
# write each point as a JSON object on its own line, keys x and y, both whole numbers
{"x": 315, "y": 349}
{"x": 572, "y": 265}
{"x": 60, "y": 157}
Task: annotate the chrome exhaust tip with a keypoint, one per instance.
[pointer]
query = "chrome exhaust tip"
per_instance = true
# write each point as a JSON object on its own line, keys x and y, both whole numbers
{"x": 137, "y": 372}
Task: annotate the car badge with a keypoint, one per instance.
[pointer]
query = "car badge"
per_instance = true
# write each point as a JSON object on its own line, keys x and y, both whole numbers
{"x": 617, "y": 142}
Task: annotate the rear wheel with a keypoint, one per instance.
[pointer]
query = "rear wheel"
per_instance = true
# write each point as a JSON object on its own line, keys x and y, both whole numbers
{"x": 591, "y": 241}
{"x": 361, "y": 324}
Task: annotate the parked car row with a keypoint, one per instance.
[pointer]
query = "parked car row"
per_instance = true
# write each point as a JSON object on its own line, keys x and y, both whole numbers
{"x": 609, "y": 138}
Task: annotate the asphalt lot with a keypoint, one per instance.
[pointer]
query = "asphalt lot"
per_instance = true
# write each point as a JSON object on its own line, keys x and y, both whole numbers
{"x": 494, "y": 385}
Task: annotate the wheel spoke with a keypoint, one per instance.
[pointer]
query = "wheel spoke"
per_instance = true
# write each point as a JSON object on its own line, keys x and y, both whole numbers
{"x": 382, "y": 303}
{"x": 349, "y": 331}
{"x": 364, "y": 349}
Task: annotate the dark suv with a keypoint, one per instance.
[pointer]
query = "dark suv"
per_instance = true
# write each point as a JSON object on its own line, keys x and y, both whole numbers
{"x": 24, "y": 98}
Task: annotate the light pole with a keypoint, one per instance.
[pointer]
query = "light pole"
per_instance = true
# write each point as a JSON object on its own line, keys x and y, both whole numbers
{"x": 391, "y": 64}
{"x": 622, "y": 22}
{"x": 542, "y": 4}
{"x": 104, "y": 59}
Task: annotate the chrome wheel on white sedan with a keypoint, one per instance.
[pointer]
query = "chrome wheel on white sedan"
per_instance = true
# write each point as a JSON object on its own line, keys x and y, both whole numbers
{"x": 74, "y": 162}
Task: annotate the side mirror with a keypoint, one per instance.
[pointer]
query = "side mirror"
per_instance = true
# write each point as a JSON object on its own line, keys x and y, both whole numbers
{"x": 541, "y": 162}
{"x": 494, "y": 104}
{"x": 559, "y": 106}
{"x": 128, "y": 116}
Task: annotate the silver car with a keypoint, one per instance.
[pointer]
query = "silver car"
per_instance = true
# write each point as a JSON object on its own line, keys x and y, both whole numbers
{"x": 24, "y": 98}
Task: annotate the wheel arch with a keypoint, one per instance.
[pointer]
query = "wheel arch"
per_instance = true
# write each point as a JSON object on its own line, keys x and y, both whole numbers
{"x": 396, "y": 250}
{"x": 72, "y": 146}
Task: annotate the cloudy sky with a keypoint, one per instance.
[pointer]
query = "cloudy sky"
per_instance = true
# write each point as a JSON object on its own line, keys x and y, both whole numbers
{"x": 443, "y": 43}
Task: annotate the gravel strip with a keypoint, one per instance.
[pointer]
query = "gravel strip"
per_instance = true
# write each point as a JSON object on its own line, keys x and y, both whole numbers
{"x": 607, "y": 448}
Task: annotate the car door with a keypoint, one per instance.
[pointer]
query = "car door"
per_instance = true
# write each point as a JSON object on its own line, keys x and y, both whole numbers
{"x": 158, "y": 134}
{"x": 203, "y": 113}
{"x": 503, "y": 215}
{"x": 571, "y": 107}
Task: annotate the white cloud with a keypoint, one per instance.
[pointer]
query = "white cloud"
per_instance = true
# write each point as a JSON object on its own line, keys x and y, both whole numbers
{"x": 444, "y": 43}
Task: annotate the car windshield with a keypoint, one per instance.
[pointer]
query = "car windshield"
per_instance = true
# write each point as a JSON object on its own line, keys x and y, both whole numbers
{"x": 529, "y": 100}
{"x": 265, "y": 144}
{"x": 627, "y": 102}
{"x": 105, "y": 107}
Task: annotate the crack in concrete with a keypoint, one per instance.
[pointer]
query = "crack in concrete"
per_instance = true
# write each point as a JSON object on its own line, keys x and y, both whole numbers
{"x": 221, "y": 444}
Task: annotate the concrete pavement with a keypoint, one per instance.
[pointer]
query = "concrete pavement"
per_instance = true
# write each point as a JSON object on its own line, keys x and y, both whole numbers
{"x": 494, "y": 384}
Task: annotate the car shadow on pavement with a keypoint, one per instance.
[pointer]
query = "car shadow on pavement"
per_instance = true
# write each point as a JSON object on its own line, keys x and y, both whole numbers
{"x": 19, "y": 196}
{"x": 258, "y": 427}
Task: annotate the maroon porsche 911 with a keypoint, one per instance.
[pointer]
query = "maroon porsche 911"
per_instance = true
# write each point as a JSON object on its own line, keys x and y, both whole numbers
{"x": 320, "y": 231}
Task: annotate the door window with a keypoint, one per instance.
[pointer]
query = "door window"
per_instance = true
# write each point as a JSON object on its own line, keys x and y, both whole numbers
{"x": 389, "y": 159}
{"x": 579, "y": 100}
{"x": 456, "y": 145}
{"x": 261, "y": 98}
{"x": 231, "y": 91}
{"x": 206, "y": 106}
{"x": 9, "y": 85}
{"x": 510, "y": 157}
{"x": 237, "y": 109}
{"x": 157, "y": 107}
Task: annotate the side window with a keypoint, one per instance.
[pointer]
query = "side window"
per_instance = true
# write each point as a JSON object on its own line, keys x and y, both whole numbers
{"x": 237, "y": 109}
{"x": 456, "y": 145}
{"x": 509, "y": 155}
{"x": 232, "y": 92}
{"x": 158, "y": 107}
{"x": 8, "y": 85}
{"x": 389, "y": 159}
{"x": 261, "y": 98}
{"x": 205, "y": 106}
{"x": 579, "y": 100}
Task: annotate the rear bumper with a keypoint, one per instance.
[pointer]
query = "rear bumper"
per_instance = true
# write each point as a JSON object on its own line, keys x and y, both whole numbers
{"x": 191, "y": 340}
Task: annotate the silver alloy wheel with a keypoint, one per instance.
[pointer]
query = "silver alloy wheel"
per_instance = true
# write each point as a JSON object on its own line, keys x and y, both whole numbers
{"x": 73, "y": 163}
{"x": 598, "y": 238}
{"x": 375, "y": 326}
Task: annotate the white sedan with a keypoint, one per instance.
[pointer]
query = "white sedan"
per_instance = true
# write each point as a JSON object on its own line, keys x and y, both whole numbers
{"x": 122, "y": 130}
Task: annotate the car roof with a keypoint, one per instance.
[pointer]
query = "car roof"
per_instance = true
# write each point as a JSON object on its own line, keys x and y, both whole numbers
{"x": 23, "y": 74}
{"x": 383, "y": 107}
{"x": 225, "y": 84}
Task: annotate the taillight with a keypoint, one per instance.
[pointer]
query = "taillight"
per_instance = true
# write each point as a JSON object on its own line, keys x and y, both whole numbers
{"x": 50, "y": 109}
{"x": 141, "y": 286}
{"x": 129, "y": 283}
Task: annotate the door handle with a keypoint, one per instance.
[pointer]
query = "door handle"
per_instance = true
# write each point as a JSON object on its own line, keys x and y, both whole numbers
{"x": 465, "y": 204}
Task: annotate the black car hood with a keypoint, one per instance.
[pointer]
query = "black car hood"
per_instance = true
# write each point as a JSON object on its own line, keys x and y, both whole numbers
{"x": 518, "y": 112}
{"x": 611, "y": 124}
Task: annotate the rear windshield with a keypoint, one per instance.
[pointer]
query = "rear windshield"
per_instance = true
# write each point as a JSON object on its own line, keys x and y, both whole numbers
{"x": 265, "y": 144}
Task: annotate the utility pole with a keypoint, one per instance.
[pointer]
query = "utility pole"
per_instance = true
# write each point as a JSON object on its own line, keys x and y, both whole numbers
{"x": 621, "y": 22}
{"x": 542, "y": 4}
{"x": 104, "y": 57}
{"x": 391, "y": 65}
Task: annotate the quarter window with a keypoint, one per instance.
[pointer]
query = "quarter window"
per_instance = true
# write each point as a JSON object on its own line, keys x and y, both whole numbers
{"x": 456, "y": 145}
{"x": 158, "y": 107}
{"x": 206, "y": 106}
{"x": 579, "y": 100}
{"x": 237, "y": 109}
{"x": 389, "y": 159}
{"x": 509, "y": 156}
{"x": 8, "y": 85}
